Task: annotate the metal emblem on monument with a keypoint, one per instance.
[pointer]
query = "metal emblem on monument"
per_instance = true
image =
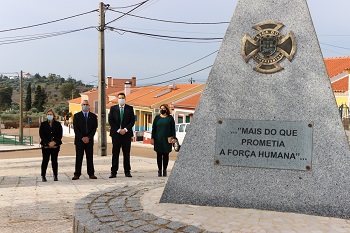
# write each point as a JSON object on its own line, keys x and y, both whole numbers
{"x": 268, "y": 47}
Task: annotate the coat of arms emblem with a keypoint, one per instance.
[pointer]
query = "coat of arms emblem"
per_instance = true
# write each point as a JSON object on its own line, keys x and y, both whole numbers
{"x": 268, "y": 47}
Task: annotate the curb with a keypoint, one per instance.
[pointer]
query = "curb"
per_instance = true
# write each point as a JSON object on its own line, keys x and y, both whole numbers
{"x": 119, "y": 209}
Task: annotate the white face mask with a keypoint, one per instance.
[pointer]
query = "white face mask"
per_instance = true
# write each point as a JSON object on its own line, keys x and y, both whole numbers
{"x": 121, "y": 101}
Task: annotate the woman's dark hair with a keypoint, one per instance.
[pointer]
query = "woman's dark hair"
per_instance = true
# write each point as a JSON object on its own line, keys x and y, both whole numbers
{"x": 166, "y": 108}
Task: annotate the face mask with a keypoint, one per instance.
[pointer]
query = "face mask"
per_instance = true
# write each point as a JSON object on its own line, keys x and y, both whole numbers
{"x": 85, "y": 108}
{"x": 49, "y": 117}
{"x": 121, "y": 101}
{"x": 162, "y": 111}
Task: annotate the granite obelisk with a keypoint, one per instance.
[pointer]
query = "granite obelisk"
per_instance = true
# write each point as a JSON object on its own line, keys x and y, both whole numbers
{"x": 266, "y": 133}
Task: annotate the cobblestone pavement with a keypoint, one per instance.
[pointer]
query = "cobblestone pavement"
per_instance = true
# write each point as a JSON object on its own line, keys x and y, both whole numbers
{"x": 120, "y": 210}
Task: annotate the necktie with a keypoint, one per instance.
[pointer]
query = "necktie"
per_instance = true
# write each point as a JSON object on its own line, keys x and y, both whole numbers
{"x": 86, "y": 119}
{"x": 121, "y": 109}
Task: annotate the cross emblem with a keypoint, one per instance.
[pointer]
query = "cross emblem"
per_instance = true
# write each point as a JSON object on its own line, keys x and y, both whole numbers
{"x": 268, "y": 47}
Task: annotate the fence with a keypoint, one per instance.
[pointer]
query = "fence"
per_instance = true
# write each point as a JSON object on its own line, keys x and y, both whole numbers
{"x": 15, "y": 140}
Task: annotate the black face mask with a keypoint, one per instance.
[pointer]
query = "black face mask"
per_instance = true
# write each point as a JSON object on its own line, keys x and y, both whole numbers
{"x": 162, "y": 111}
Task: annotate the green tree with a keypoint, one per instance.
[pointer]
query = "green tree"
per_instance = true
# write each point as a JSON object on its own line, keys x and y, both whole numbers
{"x": 5, "y": 97}
{"x": 29, "y": 97}
{"x": 40, "y": 98}
{"x": 68, "y": 91}
{"x": 62, "y": 109}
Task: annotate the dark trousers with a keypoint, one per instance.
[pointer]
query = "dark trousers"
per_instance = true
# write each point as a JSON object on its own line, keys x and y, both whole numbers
{"x": 124, "y": 142}
{"x": 47, "y": 153}
{"x": 162, "y": 159}
{"x": 80, "y": 148}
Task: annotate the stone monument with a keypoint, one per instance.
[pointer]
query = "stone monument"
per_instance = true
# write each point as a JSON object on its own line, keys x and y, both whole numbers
{"x": 267, "y": 132}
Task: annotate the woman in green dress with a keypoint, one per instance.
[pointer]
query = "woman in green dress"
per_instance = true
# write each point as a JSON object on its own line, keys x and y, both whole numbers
{"x": 163, "y": 136}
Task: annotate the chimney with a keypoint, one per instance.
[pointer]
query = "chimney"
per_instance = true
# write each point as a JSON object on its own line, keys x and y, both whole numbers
{"x": 109, "y": 81}
{"x": 127, "y": 88}
{"x": 133, "y": 84}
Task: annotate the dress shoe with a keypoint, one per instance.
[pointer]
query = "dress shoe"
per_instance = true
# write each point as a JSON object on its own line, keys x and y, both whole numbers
{"x": 164, "y": 173}
{"x": 128, "y": 174}
{"x": 93, "y": 177}
{"x": 55, "y": 178}
{"x": 75, "y": 178}
{"x": 113, "y": 175}
{"x": 43, "y": 178}
{"x": 159, "y": 173}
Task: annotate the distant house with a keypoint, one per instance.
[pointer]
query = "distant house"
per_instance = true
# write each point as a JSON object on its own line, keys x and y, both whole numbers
{"x": 146, "y": 101}
{"x": 338, "y": 69}
{"x": 114, "y": 85}
{"x": 184, "y": 109}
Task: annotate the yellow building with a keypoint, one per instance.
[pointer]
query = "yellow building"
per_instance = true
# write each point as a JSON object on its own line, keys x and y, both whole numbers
{"x": 338, "y": 72}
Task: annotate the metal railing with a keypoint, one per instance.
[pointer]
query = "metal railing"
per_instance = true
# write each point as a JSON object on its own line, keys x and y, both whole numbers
{"x": 15, "y": 139}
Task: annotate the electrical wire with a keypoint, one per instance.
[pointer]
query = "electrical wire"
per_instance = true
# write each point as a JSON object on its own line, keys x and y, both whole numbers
{"x": 125, "y": 6}
{"x": 162, "y": 36}
{"x": 181, "y": 76}
{"x": 41, "y": 36}
{"x": 187, "y": 32}
{"x": 53, "y": 21}
{"x": 168, "y": 21}
{"x": 181, "y": 41}
{"x": 334, "y": 51}
{"x": 177, "y": 68}
{"x": 127, "y": 12}
{"x": 335, "y": 46}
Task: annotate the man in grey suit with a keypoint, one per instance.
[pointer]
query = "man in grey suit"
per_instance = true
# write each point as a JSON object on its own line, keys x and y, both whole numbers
{"x": 121, "y": 119}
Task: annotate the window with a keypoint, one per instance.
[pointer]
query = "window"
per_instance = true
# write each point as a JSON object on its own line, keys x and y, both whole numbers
{"x": 182, "y": 128}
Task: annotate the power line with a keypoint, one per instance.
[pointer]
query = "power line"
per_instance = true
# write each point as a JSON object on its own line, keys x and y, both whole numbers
{"x": 163, "y": 36}
{"x": 169, "y": 21}
{"x": 127, "y": 12}
{"x": 181, "y": 76}
{"x": 189, "y": 32}
{"x": 40, "y": 36}
{"x": 333, "y": 51}
{"x": 53, "y": 21}
{"x": 179, "y": 67}
{"x": 125, "y": 6}
{"x": 181, "y": 41}
{"x": 335, "y": 46}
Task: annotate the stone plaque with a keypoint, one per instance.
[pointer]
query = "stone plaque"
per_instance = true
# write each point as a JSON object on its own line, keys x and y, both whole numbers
{"x": 264, "y": 144}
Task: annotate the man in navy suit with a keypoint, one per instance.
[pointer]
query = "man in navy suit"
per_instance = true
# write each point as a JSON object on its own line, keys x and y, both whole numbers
{"x": 85, "y": 125}
{"x": 121, "y": 119}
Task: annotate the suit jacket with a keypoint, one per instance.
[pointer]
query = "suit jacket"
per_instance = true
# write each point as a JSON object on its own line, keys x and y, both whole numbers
{"x": 128, "y": 120}
{"x": 79, "y": 124}
{"x": 49, "y": 134}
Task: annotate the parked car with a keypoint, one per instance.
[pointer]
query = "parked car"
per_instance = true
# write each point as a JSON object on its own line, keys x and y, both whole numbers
{"x": 181, "y": 130}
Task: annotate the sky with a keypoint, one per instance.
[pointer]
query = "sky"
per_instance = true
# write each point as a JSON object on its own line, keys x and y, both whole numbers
{"x": 133, "y": 55}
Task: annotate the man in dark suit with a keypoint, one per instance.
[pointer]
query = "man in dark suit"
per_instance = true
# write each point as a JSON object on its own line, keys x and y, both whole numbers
{"x": 121, "y": 119}
{"x": 85, "y": 125}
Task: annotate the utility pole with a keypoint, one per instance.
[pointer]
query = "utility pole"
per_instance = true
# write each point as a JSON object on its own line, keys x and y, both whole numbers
{"x": 191, "y": 80}
{"x": 102, "y": 140}
{"x": 21, "y": 108}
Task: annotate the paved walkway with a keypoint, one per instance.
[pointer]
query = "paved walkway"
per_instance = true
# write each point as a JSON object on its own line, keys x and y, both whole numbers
{"x": 29, "y": 205}
{"x": 124, "y": 204}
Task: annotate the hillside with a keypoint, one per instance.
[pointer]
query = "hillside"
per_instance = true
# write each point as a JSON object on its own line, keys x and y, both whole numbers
{"x": 52, "y": 84}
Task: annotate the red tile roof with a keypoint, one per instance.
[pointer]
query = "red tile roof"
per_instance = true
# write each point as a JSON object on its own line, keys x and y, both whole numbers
{"x": 341, "y": 85}
{"x": 190, "y": 102}
{"x": 153, "y": 95}
{"x": 337, "y": 65}
{"x": 75, "y": 101}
